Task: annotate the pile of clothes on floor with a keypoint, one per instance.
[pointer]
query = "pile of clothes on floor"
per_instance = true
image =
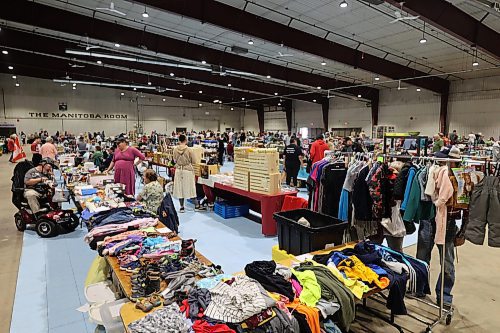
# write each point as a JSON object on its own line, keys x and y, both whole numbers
{"x": 317, "y": 295}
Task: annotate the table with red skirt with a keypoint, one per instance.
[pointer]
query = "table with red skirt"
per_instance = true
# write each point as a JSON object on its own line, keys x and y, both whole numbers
{"x": 265, "y": 204}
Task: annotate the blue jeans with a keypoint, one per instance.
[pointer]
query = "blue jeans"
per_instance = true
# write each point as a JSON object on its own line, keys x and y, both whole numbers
{"x": 426, "y": 232}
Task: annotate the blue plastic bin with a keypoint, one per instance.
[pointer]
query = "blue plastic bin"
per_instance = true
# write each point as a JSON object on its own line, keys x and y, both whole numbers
{"x": 227, "y": 211}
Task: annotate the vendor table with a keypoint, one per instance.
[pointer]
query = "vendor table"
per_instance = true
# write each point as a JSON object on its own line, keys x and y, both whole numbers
{"x": 123, "y": 277}
{"x": 265, "y": 204}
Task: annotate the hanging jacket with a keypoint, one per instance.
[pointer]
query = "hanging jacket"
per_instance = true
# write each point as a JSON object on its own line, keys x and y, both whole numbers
{"x": 361, "y": 199}
{"x": 416, "y": 209}
{"x": 401, "y": 181}
{"x": 442, "y": 193}
{"x": 409, "y": 180}
{"x": 167, "y": 213}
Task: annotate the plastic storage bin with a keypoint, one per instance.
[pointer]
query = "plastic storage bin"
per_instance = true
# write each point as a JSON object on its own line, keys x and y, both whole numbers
{"x": 110, "y": 314}
{"x": 297, "y": 239}
{"x": 228, "y": 211}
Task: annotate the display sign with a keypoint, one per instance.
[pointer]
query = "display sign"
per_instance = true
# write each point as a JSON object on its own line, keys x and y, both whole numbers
{"x": 64, "y": 115}
{"x": 63, "y": 106}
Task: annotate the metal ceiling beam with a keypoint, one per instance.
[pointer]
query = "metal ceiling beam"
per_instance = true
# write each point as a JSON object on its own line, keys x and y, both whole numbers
{"x": 39, "y": 15}
{"x": 232, "y": 18}
{"x": 49, "y": 45}
{"x": 94, "y": 72}
{"x": 450, "y": 19}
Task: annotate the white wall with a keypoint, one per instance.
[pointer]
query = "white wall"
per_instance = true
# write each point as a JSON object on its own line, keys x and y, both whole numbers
{"x": 250, "y": 121}
{"x": 42, "y": 96}
{"x": 307, "y": 115}
{"x": 474, "y": 105}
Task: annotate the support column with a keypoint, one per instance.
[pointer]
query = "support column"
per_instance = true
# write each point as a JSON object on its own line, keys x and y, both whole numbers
{"x": 375, "y": 108}
{"x": 288, "y": 107}
{"x": 443, "y": 112}
{"x": 260, "y": 118}
{"x": 325, "y": 108}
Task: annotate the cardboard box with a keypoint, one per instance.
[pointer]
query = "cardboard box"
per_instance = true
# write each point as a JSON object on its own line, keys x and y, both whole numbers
{"x": 265, "y": 184}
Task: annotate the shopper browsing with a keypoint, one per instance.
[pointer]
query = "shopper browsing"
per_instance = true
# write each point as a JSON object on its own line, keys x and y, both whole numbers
{"x": 292, "y": 161}
{"x": 151, "y": 195}
{"x": 184, "y": 180}
{"x": 438, "y": 143}
{"x": 124, "y": 160}
{"x": 318, "y": 149}
{"x": 97, "y": 156}
{"x": 48, "y": 149}
{"x": 35, "y": 151}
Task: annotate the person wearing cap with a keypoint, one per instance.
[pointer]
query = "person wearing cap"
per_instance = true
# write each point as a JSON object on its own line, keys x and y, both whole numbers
{"x": 39, "y": 174}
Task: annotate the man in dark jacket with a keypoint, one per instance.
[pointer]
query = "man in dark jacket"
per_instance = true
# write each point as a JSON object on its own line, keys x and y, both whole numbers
{"x": 292, "y": 161}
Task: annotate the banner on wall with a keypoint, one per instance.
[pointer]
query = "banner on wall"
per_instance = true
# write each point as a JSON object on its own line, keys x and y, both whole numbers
{"x": 65, "y": 115}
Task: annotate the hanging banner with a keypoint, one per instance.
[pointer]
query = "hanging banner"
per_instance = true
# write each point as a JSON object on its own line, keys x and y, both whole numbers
{"x": 66, "y": 115}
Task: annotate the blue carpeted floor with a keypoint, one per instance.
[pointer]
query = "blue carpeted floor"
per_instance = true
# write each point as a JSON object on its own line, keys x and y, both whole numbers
{"x": 52, "y": 271}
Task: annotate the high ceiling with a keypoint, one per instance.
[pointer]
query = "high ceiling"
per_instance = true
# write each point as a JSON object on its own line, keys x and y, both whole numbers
{"x": 363, "y": 27}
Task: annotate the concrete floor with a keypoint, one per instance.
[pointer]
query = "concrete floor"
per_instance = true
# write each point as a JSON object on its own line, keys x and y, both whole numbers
{"x": 476, "y": 288}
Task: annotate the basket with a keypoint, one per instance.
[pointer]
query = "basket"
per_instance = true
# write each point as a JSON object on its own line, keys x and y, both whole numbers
{"x": 296, "y": 238}
{"x": 227, "y": 211}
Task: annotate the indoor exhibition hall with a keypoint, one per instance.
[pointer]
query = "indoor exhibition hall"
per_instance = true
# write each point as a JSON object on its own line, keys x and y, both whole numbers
{"x": 250, "y": 166}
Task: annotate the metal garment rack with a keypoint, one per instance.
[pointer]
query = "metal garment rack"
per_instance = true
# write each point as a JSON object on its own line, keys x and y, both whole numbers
{"x": 445, "y": 315}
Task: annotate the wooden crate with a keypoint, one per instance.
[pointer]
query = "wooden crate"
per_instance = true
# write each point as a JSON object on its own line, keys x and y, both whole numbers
{"x": 241, "y": 178}
{"x": 265, "y": 162}
{"x": 197, "y": 169}
{"x": 266, "y": 184}
{"x": 207, "y": 170}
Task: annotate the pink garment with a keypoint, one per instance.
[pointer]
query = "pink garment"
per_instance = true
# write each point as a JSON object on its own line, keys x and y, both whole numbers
{"x": 124, "y": 167}
{"x": 122, "y": 236}
{"x": 48, "y": 150}
{"x": 296, "y": 287}
{"x": 444, "y": 191}
{"x": 113, "y": 228}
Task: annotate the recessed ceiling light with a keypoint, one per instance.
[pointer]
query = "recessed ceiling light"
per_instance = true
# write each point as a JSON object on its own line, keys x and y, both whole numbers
{"x": 314, "y": 100}
{"x": 232, "y": 109}
{"x": 14, "y": 77}
{"x": 122, "y": 94}
{"x": 117, "y": 45}
{"x": 269, "y": 76}
{"x": 99, "y": 62}
{"x": 359, "y": 96}
{"x": 343, "y": 4}
{"x": 180, "y": 96}
{"x": 17, "y": 84}
{"x": 11, "y": 68}
{"x": 201, "y": 91}
{"x": 275, "y": 94}
{"x": 199, "y": 104}
{"x": 5, "y": 52}
{"x": 423, "y": 40}
{"x": 203, "y": 62}
{"x": 229, "y": 84}
{"x": 243, "y": 98}
{"x": 475, "y": 63}
{"x": 418, "y": 89}
{"x": 164, "y": 99}
{"x": 250, "y": 42}
{"x": 376, "y": 78}
{"x": 323, "y": 63}
{"x": 172, "y": 74}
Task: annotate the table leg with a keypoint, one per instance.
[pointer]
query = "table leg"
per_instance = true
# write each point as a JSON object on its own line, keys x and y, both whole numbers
{"x": 269, "y": 206}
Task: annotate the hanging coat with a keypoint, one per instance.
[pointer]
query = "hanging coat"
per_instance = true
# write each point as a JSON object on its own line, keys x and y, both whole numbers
{"x": 167, "y": 213}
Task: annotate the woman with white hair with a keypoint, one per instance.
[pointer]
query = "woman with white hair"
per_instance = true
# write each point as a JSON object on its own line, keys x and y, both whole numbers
{"x": 11, "y": 146}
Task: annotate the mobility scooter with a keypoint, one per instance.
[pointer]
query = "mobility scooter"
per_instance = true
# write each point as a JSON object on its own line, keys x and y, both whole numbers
{"x": 51, "y": 219}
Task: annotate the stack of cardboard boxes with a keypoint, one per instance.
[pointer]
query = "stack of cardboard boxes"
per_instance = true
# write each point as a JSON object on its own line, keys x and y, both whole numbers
{"x": 257, "y": 170}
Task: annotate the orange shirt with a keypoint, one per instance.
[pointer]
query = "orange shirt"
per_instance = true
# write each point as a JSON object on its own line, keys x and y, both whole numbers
{"x": 48, "y": 150}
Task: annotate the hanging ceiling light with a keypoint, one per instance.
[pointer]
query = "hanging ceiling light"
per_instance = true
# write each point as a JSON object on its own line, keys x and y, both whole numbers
{"x": 99, "y": 62}
{"x": 122, "y": 94}
{"x": 269, "y": 76}
{"x": 201, "y": 91}
{"x": 475, "y": 63}
{"x": 200, "y": 105}
{"x": 376, "y": 78}
{"x": 180, "y": 96}
{"x": 17, "y": 84}
{"x": 359, "y": 96}
{"x": 5, "y": 52}
{"x": 117, "y": 45}
{"x": 279, "y": 104}
{"x": 250, "y": 42}
{"x": 423, "y": 40}
{"x": 203, "y": 62}
{"x": 14, "y": 77}
{"x": 323, "y": 63}
{"x": 343, "y": 4}
{"x": 149, "y": 83}
{"x": 232, "y": 109}
{"x": 419, "y": 90}
{"x": 145, "y": 14}
{"x": 275, "y": 94}
{"x": 229, "y": 84}
{"x": 243, "y": 98}
{"x": 11, "y": 68}
{"x": 172, "y": 74}
{"x": 314, "y": 100}
{"x": 164, "y": 99}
